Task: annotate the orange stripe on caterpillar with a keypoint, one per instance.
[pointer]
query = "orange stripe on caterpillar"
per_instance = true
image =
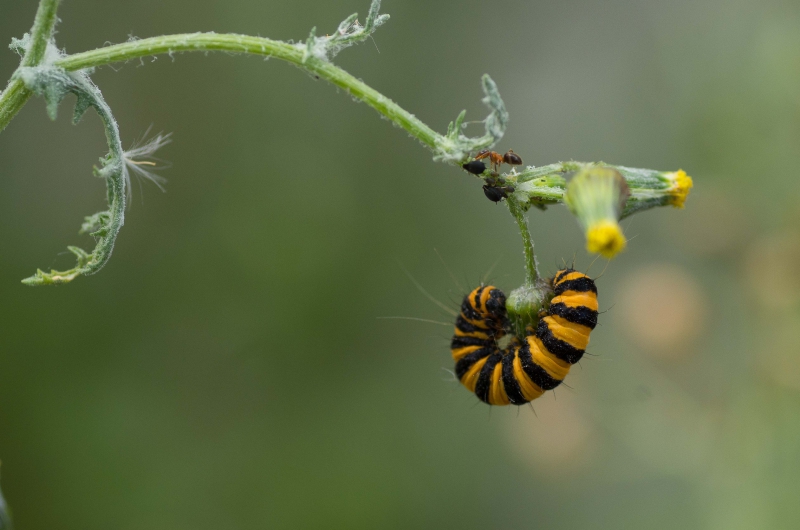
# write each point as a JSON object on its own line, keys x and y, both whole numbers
{"x": 523, "y": 371}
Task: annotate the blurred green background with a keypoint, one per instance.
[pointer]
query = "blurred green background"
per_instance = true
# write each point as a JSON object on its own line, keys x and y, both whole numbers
{"x": 229, "y": 369}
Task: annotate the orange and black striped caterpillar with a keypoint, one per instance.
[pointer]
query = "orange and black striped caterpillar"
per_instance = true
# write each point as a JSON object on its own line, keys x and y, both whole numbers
{"x": 526, "y": 368}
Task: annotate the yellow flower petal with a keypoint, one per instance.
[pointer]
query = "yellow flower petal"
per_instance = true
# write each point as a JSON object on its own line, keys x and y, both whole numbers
{"x": 605, "y": 238}
{"x": 681, "y": 184}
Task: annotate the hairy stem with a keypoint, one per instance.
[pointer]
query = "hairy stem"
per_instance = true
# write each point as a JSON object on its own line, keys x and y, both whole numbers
{"x": 16, "y": 94}
{"x": 12, "y": 100}
{"x": 531, "y": 270}
{"x": 41, "y": 32}
{"x": 258, "y": 46}
{"x": 48, "y": 72}
{"x": 53, "y": 83}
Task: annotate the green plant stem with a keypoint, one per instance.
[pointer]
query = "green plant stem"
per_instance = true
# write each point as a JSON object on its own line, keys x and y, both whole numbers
{"x": 531, "y": 270}
{"x": 258, "y": 46}
{"x": 46, "y": 72}
{"x": 12, "y": 100}
{"x": 16, "y": 94}
{"x": 41, "y": 32}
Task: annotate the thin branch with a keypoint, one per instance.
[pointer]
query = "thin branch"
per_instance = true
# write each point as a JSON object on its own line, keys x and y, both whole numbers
{"x": 453, "y": 148}
{"x": 49, "y": 72}
{"x": 41, "y": 32}
{"x": 531, "y": 269}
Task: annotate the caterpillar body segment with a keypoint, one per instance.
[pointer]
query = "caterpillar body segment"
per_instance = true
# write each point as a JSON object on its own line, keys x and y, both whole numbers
{"x": 526, "y": 368}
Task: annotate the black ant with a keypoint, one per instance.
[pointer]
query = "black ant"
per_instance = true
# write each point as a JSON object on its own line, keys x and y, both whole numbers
{"x": 511, "y": 158}
{"x": 496, "y": 189}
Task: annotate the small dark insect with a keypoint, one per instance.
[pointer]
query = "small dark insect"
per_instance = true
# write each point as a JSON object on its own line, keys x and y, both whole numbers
{"x": 496, "y": 189}
{"x": 511, "y": 158}
{"x": 476, "y": 167}
{"x": 494, "y": 194}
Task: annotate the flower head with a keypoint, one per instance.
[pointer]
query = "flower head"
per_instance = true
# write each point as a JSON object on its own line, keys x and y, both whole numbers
{"x": 597, "y": 196}
{"x": 605, "y": 238}
{"x": 681, "y": 184}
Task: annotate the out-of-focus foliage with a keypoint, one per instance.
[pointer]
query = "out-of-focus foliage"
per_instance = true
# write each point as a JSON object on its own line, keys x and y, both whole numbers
{"x": 228, "y": 369}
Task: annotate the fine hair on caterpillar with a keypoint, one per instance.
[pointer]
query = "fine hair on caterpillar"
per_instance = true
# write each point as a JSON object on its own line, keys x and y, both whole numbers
{"x": 442, "y": 306}
{"x": 450, "y": 307}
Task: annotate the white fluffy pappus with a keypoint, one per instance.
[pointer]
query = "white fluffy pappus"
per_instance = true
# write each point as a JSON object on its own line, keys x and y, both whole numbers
{"x": 141, "y": 162}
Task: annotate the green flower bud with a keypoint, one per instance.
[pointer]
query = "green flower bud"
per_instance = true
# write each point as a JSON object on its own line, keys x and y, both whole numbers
{"x": 524, "y": 305}
{"x": 649, "y": 188}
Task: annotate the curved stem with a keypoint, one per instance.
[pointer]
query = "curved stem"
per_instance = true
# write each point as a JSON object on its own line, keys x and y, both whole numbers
{"x": 531, "y": 270}
{"x": 47, "y": 72}
{"x": 258, "y": 46}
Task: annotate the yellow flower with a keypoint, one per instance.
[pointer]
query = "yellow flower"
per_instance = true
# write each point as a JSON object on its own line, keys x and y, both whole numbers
{"x": 597, "y": 196}
{"x": 605, "y": 238}
{"x": 681, "y": 184}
